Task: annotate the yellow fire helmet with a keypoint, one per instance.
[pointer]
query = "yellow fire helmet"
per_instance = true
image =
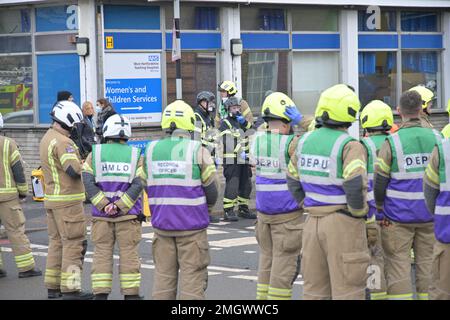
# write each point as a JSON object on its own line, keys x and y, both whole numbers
{"x": 275, "y": 105}
{"x": 377, "y": 115}
{"x": 338, "y": 105}
{"x": 228, "y": 86}
{"x": 426, "y": 94}
{"x": 178, "y": 114}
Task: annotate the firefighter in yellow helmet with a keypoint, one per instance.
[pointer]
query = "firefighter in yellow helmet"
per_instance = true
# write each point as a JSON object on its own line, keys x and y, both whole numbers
{"x": 182, "y": 187}
{"x": 228, "y": 89}
{"x": 427, "y": 102}
{"x": 376, "y": 120}
{"x": 279, "y": 213}
{"x": 398, "y": 191}
{"x": 13, "y": 186}
{"x": 446, "y": 131}
{"x": 329, "y": 169}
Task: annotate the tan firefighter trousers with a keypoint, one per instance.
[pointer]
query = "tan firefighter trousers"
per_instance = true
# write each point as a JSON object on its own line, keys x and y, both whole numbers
{"x": 67, "y": 237}
{"x": 13, "y": 219}
{"x": 104, "y": 235}
{"x": 335, "y": 257}
{"x": 188, "y": 255}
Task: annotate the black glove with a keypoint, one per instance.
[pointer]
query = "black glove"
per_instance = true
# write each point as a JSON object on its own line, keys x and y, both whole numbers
{"x": 141, "y": 217}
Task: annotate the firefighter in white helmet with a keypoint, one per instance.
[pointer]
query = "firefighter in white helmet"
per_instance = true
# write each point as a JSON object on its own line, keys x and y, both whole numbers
{"x": 112, "y": 178}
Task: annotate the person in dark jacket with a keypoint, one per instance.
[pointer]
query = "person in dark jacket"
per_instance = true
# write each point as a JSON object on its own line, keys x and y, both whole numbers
{"x": 236, "y": 167}
{"x": 104, "y": 110}
{"x": 83, "y": 132}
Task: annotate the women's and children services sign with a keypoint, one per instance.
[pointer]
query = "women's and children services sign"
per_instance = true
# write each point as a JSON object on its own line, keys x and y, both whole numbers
{"x": 133, "y": 85}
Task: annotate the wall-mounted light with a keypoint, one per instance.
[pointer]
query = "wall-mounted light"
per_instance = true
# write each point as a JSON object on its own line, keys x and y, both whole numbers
{"x": 82, "y": 46}
{"x": 236, "y": 47}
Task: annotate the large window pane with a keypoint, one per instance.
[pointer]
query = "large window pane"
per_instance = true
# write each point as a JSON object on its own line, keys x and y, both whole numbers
{"x": 15, "y": 44}
{"x": 420, "y": 68}
{"x": 59, "y": 18}
{"x": 194, "y": 18}
{"x": 56, "y": 72}
{"x": 312, "y": 72}
{"x": 377, "y": 77}
{"x": 55, "y": 42}
{"x": 253, "y": 19}
{"x": 387, "y": 21}
{"x": 263, "y": 71}
{"x": 420, "y": 21}
{"x": 14, "y": 21}
{"x": 198, "y": 72}
{"x": 314, "y": 19}
{"x": 131, "y": 17}
{"x": 16, "y": 89}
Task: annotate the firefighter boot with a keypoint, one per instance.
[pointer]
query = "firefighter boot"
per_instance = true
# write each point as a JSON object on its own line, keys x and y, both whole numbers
{"x": 78, "y": 295}
{"x": 54, "y": 293}
{"x": 2, "y": 273}
{"x": 101, "y": 296}
{"x": 35, "y": 272}
{"x": 214, "y": 219}
{"x": 133, "y": 297}
{"x": 245, "y": 213}
{"x": 230, "y": 215}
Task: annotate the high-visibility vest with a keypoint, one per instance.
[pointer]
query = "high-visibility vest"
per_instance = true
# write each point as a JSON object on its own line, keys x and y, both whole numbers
{"x": 176, "y": 196}
{"x": 411, "y": 151}
{"x": 372, "y": 144}
{"x": 442, "y": 209}
{"x": 114, "y": 166}
{"x": 319, "y": 165}
{"x": 270, "y": 151}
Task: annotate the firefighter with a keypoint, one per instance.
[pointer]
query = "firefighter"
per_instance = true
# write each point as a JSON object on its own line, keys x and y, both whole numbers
{"x": 279, "y": 222}
{"x": 376, "y": 120}
{"x": 181, "y": 186}
{"x": 427, "y": 97}
{"x": 13, "y": 188}
{"x": 228, "y": 89}
{"x": 329, "y": 169}
{"x": 64, "y": 196}
{"x": 236, "y": 168}
{"x": 112, "y": 178}
{"x": 398, "y": 193}
{"x": 436, "y": 189}
{"x": 204, "y": 126}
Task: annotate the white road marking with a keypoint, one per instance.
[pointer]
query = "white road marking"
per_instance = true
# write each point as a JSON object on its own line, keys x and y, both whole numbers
{"x": 242, "y": 231}
{"x": 250, "y": 228}
{"x": 234, "y": 242}
{"x": 216, "y": 249}
{"x": 222, "y": 223}
{"x": 147, "y": 235}
{"x": 215, "y": 231}
{"x": 226, "y": 269}
{"x": 245, "y": 277}
{"x": 249, "y": 251}
{"x": 255, "y": 278}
